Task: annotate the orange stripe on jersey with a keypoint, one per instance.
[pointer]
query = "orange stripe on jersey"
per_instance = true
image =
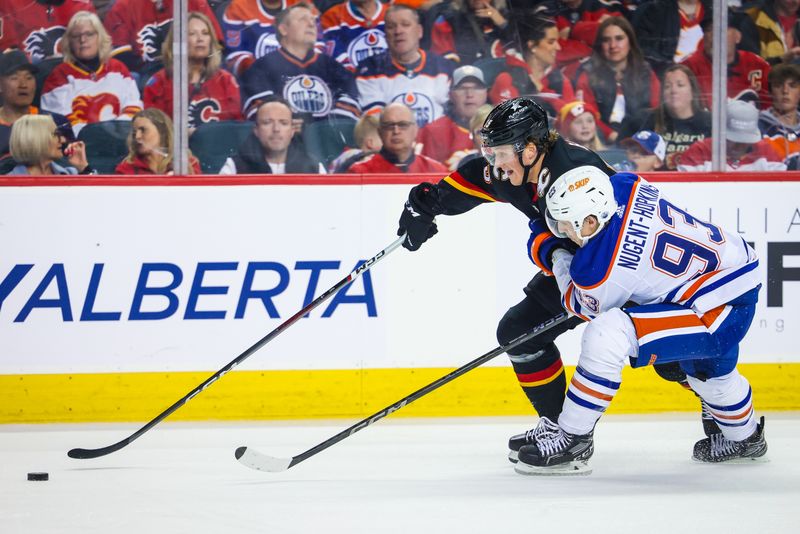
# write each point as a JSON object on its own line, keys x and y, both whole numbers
{"x": 537, "y": 242}
{"x": 456, "y": 181}
{"x": 568, "y": 302}
{"x": 542, "y": 377}
{"x": 648, "y": 325}
{"x": 710, "y": 316}
{"x": 402, "y": 68}
{"x": 743, "y": 415}
{"x": 589, "y": 391}
{"x": 695, "y": 286}
{"x": 634, "y": 189}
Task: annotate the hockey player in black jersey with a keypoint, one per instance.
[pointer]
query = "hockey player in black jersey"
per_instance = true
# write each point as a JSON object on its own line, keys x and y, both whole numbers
{"x": 522, "y": 158}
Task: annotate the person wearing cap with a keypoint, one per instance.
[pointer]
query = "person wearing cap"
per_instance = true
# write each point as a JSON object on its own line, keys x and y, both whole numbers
{"x": 744, "y": 148}
{"x": 780, "y": 124}
{"x": 577, "y": 123}
{"x": 450, "y": 133}
{"x": 746, "y": 71}
{"x": 647, "y": 150}
{"x": 18, "y": 88}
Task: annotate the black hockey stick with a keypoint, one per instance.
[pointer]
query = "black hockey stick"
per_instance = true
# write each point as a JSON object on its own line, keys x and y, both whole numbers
{"x": 95, "y": 453}
{"x": 262, "y": 462}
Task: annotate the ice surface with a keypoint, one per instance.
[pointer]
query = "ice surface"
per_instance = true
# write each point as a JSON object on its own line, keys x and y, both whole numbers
{"x": 403, "y": 476}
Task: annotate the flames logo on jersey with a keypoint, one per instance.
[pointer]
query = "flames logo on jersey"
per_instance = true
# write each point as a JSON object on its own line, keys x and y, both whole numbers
{"x": 150, "y": 39}
{"x": 43, "y": 43}
{"x": 420, "y": 104}
{"x": 94, "y": 108}
{"x": 202, "y": 111}
{"x": 366, "y": 45}
{"x": 543, "y": 182}
{"x": 308, "y": 94}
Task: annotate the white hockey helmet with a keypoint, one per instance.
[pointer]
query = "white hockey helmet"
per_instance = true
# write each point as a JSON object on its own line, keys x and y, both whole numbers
{"x": 575, "y": 195}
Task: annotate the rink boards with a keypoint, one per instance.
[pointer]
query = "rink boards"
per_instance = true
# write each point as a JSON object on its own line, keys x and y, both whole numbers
{"x": 119, "y": 295}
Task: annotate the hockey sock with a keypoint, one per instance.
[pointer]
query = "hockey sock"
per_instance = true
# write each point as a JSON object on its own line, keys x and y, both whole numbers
{"x": 588, "y": 397}
{"x": 543, "y": 381}
{"x": 730, "y": 401}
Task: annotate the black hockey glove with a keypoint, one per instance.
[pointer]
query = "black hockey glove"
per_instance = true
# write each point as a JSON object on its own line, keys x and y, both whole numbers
{"x": 417, "y": 218}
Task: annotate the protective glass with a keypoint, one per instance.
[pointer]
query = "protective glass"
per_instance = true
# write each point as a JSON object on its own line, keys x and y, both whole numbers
{"x": 498, "y": 155}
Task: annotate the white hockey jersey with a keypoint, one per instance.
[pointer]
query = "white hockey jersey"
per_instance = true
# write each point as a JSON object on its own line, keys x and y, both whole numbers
{"x": 652, "y": 251}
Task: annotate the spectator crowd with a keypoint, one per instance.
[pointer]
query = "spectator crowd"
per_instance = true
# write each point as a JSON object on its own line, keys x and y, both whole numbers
{"x": 365, "y": 86}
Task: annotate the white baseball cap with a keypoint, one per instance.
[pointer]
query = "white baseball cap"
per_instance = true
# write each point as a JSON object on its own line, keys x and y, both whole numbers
{"x": 742, "y": 123}
{"x": 468, "y": 71}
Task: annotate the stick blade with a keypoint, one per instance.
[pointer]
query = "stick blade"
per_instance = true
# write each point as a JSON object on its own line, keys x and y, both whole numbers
{"x": 85, "y": 454}
{"x": 261, "y": 462}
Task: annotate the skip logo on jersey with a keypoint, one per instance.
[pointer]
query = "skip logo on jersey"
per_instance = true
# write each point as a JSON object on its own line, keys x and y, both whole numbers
{"x": 150, "y": 39}
{"x": 308, "y": 94}
{"x": 202, "y": 111}
{"x": 43, "y": 43}
{"x": 420, "y": 104}
{"x": 366, "y": 45}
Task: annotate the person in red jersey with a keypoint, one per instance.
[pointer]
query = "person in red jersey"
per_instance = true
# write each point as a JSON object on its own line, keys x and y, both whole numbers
{"x": 151, "y": 146}
{"x": 398, "y": 130}
{"x": 139, "y": 27}
{"x": 37, "y": 26}
{"x": 90, "y": 86}
{"x": 746, "y": 70}
{"x": 213, "y": 92}
{"x": 450, "y": 134}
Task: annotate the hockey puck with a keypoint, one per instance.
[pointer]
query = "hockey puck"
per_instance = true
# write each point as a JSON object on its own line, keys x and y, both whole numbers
{"x": 38, "y": 476}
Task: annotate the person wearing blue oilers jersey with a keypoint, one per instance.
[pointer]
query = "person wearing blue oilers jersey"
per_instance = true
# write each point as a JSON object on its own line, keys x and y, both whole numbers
{"x": 521, "y": 154}
{"x": 657, "y": 285}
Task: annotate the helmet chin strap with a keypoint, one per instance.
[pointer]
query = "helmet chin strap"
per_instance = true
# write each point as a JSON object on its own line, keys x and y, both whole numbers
{"x": 528, "y": 168}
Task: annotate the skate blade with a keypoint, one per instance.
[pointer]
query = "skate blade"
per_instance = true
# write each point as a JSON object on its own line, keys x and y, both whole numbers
{"x": 736, "y": 461}
{"x": 565, "y": 470}
{"x": 513, "y": 456}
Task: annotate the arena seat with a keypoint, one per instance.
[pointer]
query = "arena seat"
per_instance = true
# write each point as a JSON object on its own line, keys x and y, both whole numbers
{"x": 327, "y": 138}
{"x": 214, "y": 142}
{"x": 45, "y": 67}
{"x": 106, "y": 144}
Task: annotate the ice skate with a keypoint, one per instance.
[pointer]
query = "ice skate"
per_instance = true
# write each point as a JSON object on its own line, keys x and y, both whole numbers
{"x": 717, "y": 448}
{"x": 517, "y": 441}
{"x": 555, "y": 452}
{"x": 710, "y": 426}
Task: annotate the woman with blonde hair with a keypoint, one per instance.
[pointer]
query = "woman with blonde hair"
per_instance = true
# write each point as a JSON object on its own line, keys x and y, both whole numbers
{"x": 213, "y": 92}
{"x": 36, "y": 144}
{"x": 90, "y": 86}
{"x": 151, "y": 146}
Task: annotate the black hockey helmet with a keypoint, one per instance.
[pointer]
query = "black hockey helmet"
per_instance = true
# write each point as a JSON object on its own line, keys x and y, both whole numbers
{"x": 515, "y": 122}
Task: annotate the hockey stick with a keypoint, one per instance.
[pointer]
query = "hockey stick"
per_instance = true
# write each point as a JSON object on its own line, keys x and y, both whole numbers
{"x": 95, "y": 453}
{"x": 262, "y": 462}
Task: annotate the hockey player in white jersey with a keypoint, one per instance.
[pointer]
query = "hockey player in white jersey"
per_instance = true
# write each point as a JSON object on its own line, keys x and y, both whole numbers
{"x": 657, "y": 285}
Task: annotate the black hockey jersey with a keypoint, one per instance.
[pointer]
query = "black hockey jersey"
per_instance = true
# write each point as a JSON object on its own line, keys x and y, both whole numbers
{"x": 316, "y": 85}
{"x": 476, "y": 182}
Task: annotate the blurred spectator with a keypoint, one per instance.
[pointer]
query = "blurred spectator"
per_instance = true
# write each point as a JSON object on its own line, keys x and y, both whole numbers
{"x": 36, "y": 145}
{"x": 250, "y": 31}
{"x": 780, "y": 124}
{"x": 578, "y": 20}
{"x": 151, "y": 146}
{"x": 213, "y": 92}
{"x": 536, "y": 73}
{"x": 270, "y": 148}
{"x": 314, "y": 84}
{"x": 90, "y": 86}
{"x": 669, "y": 31}
{"x": 681, "y": 119}
{"x": 36, "y": 27}
{"x": 778, "y": 35}
{"x": 617, "y": 80}
{"x": 469, "y": 30}
{"x": 745, "y": 149}
{"x": 746, "y": 70}
{"x": 368, "y": 141}
{"x": 475, "y": 125}
{"x": 398, "y": 131}
{"x": 138, "y": 29}
{"x": 17, "y": 88}
{"x": 450, "y": 133}
{"x": 405, "y": 73}
{"x": 647, "y": 150}
{"x": 354, "y": 30}
{"x": 577, "y": 123}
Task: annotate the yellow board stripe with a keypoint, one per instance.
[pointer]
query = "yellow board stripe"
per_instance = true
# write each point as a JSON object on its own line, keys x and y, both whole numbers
{"x": 354, "y": 394}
